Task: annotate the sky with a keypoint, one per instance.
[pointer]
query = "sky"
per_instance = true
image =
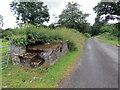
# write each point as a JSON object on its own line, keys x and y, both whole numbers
{"x": 55, "y": 8}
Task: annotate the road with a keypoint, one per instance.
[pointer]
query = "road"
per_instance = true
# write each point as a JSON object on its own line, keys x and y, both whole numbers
{"x": 97, "y": 67}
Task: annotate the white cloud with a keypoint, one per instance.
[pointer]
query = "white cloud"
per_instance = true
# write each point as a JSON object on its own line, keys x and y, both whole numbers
{"x": 8, "y": 18}
{"x": 56, "y": 7}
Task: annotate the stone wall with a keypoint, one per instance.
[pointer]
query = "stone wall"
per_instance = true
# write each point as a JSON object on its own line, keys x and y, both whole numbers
{"x": 15, "y": 51}
{"x": 36, "y": 56}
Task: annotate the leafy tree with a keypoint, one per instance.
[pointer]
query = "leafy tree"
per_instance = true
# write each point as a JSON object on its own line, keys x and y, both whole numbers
{"x": 35, "y": 13}
{"x": 96, "y": 26}
{"x": 108, "y": 10}
{"x": 52, "y": 26}
{"x": 1, "y": 21}
{"x": 110, "y": 28}
{"x": 118, "y": 30}
{"x": 72, "y": 17}
{"x": 105, "y": 11}
{"x": 86, "y": 28}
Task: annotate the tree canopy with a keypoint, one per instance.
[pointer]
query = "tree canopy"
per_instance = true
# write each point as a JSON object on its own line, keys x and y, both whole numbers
{"x": 108, "y": 10}
{"x": 72, "y": 16}
{"x": 35, "y": 13}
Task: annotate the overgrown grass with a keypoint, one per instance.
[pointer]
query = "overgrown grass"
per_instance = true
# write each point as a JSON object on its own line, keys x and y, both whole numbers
{"x": 109, "y": 39}
{"x": 4, "y": 42}
{"x": 42, "y": 35}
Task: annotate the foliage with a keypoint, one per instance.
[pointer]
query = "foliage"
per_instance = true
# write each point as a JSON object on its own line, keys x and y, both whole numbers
{"x": 96, "y": 28}
{"x": 72, "y": 17}
{"x": 97, "y": 25}
{"x": 111, "y": 10}
{"x": 52, "y": 26}
{"x": 87, "y": 35}
{"x": 117, "y": 25}
{"x": 106, "y": 11}
{"x": 1, "y": 21}
{"x": 20, "y": 41}
{"x": 86, "y": 28}
{"x": 6, "y": 34}
{"x": 30, "y": 35}
{"x": 35, "y": 13}
{"x": 4, "y": 42}
{"x": 110, "y": 28}
{"x": 27, "y": 77}
{"x": 108, "y": 38}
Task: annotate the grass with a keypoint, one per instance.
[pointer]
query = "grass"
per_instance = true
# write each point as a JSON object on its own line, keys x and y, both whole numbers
{"x": 108, "y": 39}
{"x": 3, "y": 42}
{"x": 26, "y": 77}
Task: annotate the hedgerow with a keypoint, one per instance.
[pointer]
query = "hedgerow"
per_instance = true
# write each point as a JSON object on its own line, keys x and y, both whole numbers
{"x": 30, "y": 35}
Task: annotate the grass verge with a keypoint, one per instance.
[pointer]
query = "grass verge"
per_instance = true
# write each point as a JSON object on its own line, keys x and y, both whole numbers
{"x": 26, "y": 77}
{"x": 108, "y": 39}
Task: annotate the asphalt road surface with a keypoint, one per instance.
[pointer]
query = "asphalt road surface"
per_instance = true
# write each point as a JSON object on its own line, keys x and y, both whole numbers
{"x": 97, "y": 67}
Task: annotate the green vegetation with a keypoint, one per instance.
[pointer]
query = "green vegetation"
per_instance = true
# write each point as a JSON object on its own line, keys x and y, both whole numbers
{"x": 108, "y": 33}
{"x": 108, "y": 38}
{"x": 73, "y": 17}
{"x": 110, "y": 28}
{"x": 30, "y": 35}
{"x": 106, "y": 11}
{"x": 3, "y": 42}
{"x": 35, "y": 13}
{"x": 27, "y": 77}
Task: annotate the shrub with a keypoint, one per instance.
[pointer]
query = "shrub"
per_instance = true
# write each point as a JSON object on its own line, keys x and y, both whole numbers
{"x": 87, "y": 35}
{"x": 109, "y": 36}
{"x": 30, "y": 35}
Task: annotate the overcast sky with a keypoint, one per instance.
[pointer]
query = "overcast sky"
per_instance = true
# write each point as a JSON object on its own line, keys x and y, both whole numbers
{"x": 55, "y": 8}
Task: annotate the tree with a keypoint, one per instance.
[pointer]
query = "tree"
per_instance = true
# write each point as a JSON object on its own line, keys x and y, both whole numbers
{"x": 105, "y": 11}
{"x": 96, "y": 26}
{"x": 52, "y": 26}
{"x": 72, "y": 17}
{"x": 108, "y": 10}
{"x": 35, "y": 13}
{"x": 1, "y": 21}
